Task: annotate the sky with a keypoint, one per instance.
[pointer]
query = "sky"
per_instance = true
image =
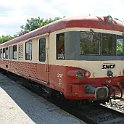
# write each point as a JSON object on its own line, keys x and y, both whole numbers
{"x": 14, "y": 13}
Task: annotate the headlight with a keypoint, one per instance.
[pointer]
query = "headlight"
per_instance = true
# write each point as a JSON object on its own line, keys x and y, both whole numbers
{"x": 109, "y": 19}
{"x": 78, "y": 73}
{"x": 87, "y": 74}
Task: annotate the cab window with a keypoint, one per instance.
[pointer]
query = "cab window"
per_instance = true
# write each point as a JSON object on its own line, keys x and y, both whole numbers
{"x": 89, "y": 43}
{"x": 119, "y": 45}
{"x": 60, "y": 51}
{"x": 108, "y": 44}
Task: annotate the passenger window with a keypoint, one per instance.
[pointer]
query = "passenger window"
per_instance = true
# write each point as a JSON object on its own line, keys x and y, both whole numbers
{"x": 6, "y": 53}
{"x": 0, "y": 53}
{"x": 3, "y": 53}
{"x": 10, "y": 52}
{"x": 15, "y": 52}
{"x": 28, "y": 50}
{"x": 60, "y": 51}
{"x": 42, "y": 49}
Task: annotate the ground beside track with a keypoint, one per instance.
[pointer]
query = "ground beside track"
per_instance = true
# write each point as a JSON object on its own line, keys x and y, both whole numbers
{"x": 20, "y": 106}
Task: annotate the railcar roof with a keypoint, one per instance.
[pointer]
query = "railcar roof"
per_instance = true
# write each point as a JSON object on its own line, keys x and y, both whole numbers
{"x": 69, "y": 22}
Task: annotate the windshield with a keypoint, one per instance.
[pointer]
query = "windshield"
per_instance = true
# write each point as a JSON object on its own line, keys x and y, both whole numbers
{"x": 89, "y": 43}
{"x": 91, "y": 46}
{"x": 92, "y": 43}
{"x": 120, "y": 45}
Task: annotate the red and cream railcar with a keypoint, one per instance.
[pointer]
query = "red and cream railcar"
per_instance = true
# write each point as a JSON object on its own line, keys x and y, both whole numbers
{"x": 81, "y": 57}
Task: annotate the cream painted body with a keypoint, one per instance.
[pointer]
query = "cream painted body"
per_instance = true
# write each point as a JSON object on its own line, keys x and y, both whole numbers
{"x": 95, "y": 67}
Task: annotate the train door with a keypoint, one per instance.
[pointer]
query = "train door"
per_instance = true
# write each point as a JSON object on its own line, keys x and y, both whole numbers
{"x": 43, "y": 65}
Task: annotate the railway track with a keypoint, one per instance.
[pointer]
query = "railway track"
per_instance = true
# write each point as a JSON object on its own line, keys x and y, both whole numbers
{"x": 89, "y": 113}
{"x": 92, "y": 113}
{"x": 98, "y": 114}
{"x": 117, "y": 105}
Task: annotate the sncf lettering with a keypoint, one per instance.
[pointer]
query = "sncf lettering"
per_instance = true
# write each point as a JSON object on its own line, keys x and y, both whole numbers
{"x": 108, "y": 66}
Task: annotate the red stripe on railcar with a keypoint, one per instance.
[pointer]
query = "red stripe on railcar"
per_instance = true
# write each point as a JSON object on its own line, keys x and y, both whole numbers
{"x": 57, "y": 78}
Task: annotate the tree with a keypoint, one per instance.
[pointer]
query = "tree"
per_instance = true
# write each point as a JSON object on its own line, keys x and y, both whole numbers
{"x": 35, "y": 23}
{"x": 6, "y": 38}
{"x": 31, "y": 24}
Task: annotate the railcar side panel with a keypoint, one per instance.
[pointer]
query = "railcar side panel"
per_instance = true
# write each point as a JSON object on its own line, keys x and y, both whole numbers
{"x": 78, "y": 71}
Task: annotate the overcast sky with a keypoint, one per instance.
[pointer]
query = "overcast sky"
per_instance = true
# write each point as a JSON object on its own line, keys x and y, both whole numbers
{"x": 14, "y": 13}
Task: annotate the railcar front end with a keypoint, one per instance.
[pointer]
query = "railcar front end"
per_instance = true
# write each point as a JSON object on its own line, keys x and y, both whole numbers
{"x": 93, "y": 64}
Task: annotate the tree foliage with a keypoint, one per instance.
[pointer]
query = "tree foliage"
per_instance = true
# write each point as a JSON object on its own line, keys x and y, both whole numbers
{"x": 35, "y": 23}
{"x": 5, "y": 38}
{"x": 30, "y": 25}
